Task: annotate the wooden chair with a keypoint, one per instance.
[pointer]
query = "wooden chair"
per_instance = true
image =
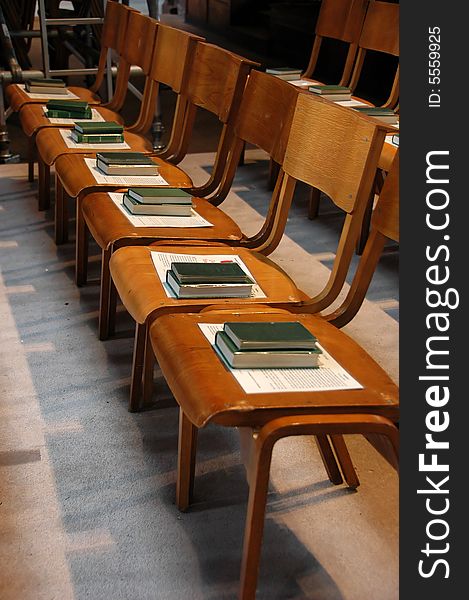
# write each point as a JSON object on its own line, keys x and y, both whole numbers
{"x": 169, "y": 64}
{"x": 341, "y": 21}
{"x": 32, "y": 116}
{"x": 380, "y": 33}
{"x": 207, "y": 392}
{"x": 49, "y": 141}
{"x": 340, "y": 159}
{"x": 113, "y": 38}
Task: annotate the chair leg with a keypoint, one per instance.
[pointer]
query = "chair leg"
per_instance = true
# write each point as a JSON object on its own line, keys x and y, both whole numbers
{"x": 44, "y": 185}
{"x": 148, "y": 371}
{"x": 137, "y": 367}
{"x": 274, "y": 169}
{"x": 60, "y": 232}
{"x": 254, "y": 528}
{"x": 187, "y": 449}
{"x": 328, "y": 458}
{"x": 104, "y": 302}
{"x": 365, "y": 228}
{"x": 81, "y": 248}
{"x": 313, "y": 203}
{"x": 343, "y": 456}
{"x": 31, "y": 157}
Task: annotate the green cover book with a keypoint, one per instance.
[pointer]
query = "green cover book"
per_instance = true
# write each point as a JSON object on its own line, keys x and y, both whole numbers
{"x": 71, "y": 105}
{"x": 99, "y": 127}
{"x": 375, "y": 111}
{"x": 290, "y": 358}
{"x": 276, "y": 335}
{"x": 159, "y": 195}
{"x": 192, "y": 273}
{"x": 169, "y": 210}
{"x": 283, "y": 71}
{"x": 124, "y": 158}
{"x": 108, "y": 138}
{"x": 329, "y": 89}
{"x": 47, "y": 82}
{"x": 65, "y": 114}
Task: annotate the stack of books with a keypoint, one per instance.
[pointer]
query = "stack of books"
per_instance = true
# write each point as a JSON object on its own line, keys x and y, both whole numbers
{"x": 208, "y": 280}
{"x": 158, "y": 201}
{"x": 285, "y": 73}
{"x": 52, "y": 87}
{"x": 386, "y": 115}
{"x": 68, "y": 109}
{"x": 269, "y": 345}
{"x": 97, "y": 132}
{"x": 125, "y": 163}
{"x": 335, "y": 93}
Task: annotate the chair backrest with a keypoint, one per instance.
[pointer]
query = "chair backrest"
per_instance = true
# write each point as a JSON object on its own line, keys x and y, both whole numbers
{"x": 380, "y": 33}
{"x": 140, "y": 36}
{"x": 113, "y": 36}
{"x": 336, "y": 150}
{"x": 384, "y": 227}
{"x": 170, "y": 59}
{"x": 339, "y": 20}
{"x": 263, "y": 119}
{"x": 214, "y": 82}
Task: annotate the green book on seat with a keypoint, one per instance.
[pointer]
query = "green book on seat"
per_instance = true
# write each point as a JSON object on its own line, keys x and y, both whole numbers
{"x": 70, "y": 105}
{"x": 98, "y": 127}
{"x": 329, "y": 89}
{"x": 159, "y": 195}
{"x": 275, "y": 335}
{"x": 47, "y": 82}
{"x": 384, "y": 114}
{"x": 66, "y": 114}
{"x": 124, "y": 158}
{"x": 105, "y": 138}
{"x": 192, "y": 273}
{"x": 265, "y": 359}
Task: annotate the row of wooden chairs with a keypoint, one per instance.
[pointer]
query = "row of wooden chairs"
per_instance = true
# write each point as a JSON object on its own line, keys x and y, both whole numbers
{"x": 340, "y": 159}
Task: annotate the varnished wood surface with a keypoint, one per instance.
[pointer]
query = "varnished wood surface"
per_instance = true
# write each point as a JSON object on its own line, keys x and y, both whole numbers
{"x": 33, "y": 119}
{"x": 108, "y": 225}
{"x": 76, "y": 177}
{"x": 206, "y": 390}
{"x": 50, "y": 145}
{"x": 381, "y": 28}
{"x": 140, "y": 290}
{"x": 341, "y": 19}
{"x": 385, "y": 217}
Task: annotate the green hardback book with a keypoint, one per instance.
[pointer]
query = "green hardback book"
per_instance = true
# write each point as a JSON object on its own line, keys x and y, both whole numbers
{"x": 170, "y": 210}
{"x": 283, "y": 71}
{"x": 192, "y": 272}
{"x": 47, "y": 82}
{"x": 99, "y": 127}
{"x": 159, "y": 195}
{"x": 276, "y": 335}
{"x": 65, "y": 114}
{"x": 265, "y": 359}
{"x": 70, "y": 105}
{"x": 375, "y": 110}
{"x": 329, "y": 89}
{"x": 105, "y": 138}
{"x": 124, "y": 158}
{"x": 208, "y": 290}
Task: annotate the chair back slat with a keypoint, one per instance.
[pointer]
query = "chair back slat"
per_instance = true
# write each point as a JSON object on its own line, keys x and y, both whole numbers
{"x": 266, "y": 113}
{"x": 329, "y": 149}
{"x": 341, "y": 19}
{"x": 141, "y": 35}
{"x": 170, "y": 56}
{"x": 114, "y": 26}
{"x": 216, "y": 80}
{"x": 385, "y": 217}
{"x": 381, "y": 28}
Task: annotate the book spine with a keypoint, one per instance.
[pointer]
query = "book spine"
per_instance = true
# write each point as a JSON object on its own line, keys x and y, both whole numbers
{"x": 65, "y": 114}
{"x": 98, "y": 139}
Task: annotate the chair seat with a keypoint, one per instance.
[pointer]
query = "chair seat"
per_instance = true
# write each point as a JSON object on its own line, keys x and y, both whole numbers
{"x": 17, "y": 97}
{"x": 109, "y": 225}
{"x": 50, "y": 145}
{"x": 142, "y": 293}
{"x": 76, "y": 177}
{"x": 33, "y": 119}
{"x": 207, "y": 391}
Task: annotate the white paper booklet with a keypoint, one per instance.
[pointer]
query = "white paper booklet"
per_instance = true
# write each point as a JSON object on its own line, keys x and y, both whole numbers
{"x": 124, "y": 180}
{"x": 68, "y": 96}
{"x": 70, "y": 143}
{"x": 195, "y": 220}
{"x": 351, "y": 103}
{"x": 163, "y": 260}
{"x": 95, "y": 116}
{"x": 329, "y": 376}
